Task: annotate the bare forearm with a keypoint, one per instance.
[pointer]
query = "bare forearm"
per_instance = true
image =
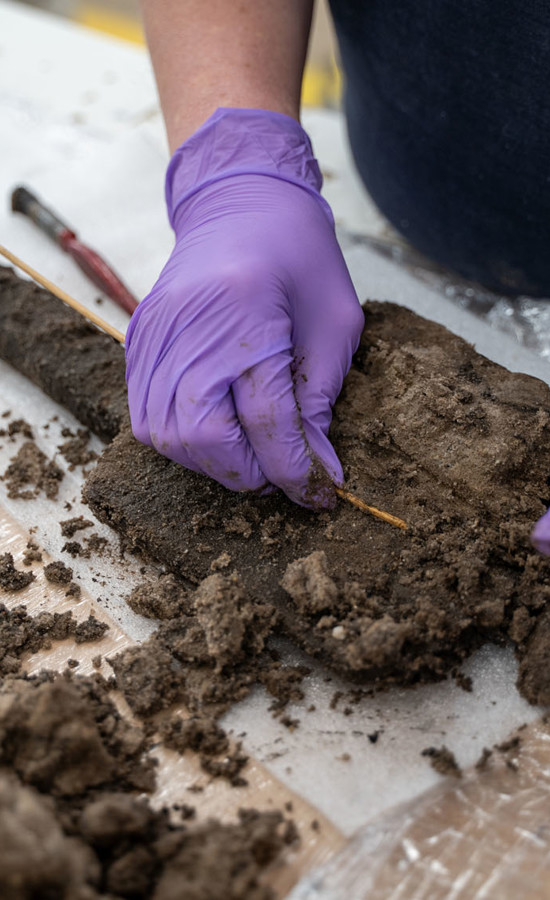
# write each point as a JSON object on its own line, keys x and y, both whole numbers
{"x": 211, "y": 53}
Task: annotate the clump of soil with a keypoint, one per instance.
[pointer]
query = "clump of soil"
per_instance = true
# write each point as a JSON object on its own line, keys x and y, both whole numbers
{"x": 163, "y": 598}
{"x": 91, "y": 629}
{"x": 426, "y": 429}
{"x": 70, "y": 526}
{"x": 32, "y": 553}
{"x": 72, "y": 825}
{"x": 58, "y": 573}
{"x": 204, "y": 736}
{"x": 443, "y": 761}
{"x": 30, "y": 466}
{"x": 75, "y": 450}
{"x": 21, "y": 633}
{"x": 209, "y": 657}
{"x": 20, "y": 426}
{"x": 11, "y": 579}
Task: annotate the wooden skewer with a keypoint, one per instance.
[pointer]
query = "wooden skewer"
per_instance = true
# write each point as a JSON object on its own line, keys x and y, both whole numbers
{"x": 62, "y": 295}
{"x": 118, "y": 336}
{"x": 380, "y": 514}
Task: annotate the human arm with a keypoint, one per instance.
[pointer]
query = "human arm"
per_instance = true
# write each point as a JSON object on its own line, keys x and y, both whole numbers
{"x": 232, "y": 53}
{"x": 237, "y": 355}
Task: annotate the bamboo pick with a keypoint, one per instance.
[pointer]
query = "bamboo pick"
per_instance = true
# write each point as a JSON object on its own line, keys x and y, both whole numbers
{"x": 62, "y": 295}
{"x": 380, "y": 514}
{"x": 118, "y": 336}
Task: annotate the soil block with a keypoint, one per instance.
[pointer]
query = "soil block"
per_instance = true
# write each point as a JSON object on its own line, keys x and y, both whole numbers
{"x": 54, "y": 346}
{"x": 426, "y": 428}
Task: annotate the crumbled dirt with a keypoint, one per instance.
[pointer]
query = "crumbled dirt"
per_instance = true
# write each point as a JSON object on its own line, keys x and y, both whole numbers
{"x": 91, "y": 629}
{"x": 11, "y": 579}
{"x": 74, "y": 591}
{"x": 75, "y": 450}
{"x": 96, "y": 544}
{"x": 443, "y": 761}
{"x": 20, "y": 426}
{"x": 70, "y": 526}
{"x": 426, "y": 429}
{"x": 73, "y": 548}
{"x": 72, "y": 825}
{"x": 32, "y": 553}
{"x": 209, "y": 657}
{"x": 204, "y": 736}
{"x": 21, "y": 633}
{"x": 162, "y": 598}
{"x": 30, "y": 466}
{"x": 58, "y": 573}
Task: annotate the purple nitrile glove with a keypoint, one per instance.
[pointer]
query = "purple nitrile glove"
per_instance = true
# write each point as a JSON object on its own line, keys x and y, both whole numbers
{"x": 237, "y": 355}
{"x": 540, "y": 536}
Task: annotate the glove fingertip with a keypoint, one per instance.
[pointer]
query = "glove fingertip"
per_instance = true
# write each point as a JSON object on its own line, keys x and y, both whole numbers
{"x": 540, "y": 536}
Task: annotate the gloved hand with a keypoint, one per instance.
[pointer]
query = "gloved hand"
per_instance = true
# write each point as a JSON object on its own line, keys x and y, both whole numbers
{"x": 238, "y": 353}
{"x": 540, "y": 536}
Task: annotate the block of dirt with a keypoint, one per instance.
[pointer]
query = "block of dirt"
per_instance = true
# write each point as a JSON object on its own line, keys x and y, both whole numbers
{"x": 427, "y": 429}
{"x": 54, "y": 346}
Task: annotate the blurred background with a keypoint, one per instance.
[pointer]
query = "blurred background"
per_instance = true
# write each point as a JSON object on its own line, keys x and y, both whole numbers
{"x": 322, "y": 83}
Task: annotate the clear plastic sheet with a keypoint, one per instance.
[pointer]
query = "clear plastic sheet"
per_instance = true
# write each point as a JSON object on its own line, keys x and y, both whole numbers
{"x": 525, "y": 319}
{"x": 485, "y": 835}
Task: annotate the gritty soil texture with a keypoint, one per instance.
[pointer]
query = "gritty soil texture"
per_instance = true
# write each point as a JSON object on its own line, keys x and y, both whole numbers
{"x": 208, "y": 657}
{"x": 11, "y": 579}
{"x": 63, "y": 354}
{"x": 75, "y": 449}
{"x": 163, "y": 598}
{"x": 72, "y": 825}
{"x": 32, "y": 553}
{"x": 30, "y": 473}
{"x": 69, "y": 527}
{"x": 204, "y": 736}
{"x": 58, "y": 573}
{"x": 426, "y": 429}
{"x": 443, "y": 761}
{"x": 22, "y": 633}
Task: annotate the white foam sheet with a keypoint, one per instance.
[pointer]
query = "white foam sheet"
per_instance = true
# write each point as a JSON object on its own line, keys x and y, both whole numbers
{"x": 80, "y": 124}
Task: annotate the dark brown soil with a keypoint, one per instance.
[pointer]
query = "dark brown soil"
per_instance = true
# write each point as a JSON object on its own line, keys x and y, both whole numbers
{"x": 20, "y": 426}
{"x": 30, "y": 466}
{"x": 11, "y": 579}
{"x": 32, "y": 553}
{"x": 427, "y": 429}
{"x": 71, "y": 823}
{"x": 63, "y": 354}
{"x": 163, "y": 598}
{"x": 204, "y": 736}
{"x": 70, "y": 526}
{"x": 75, "y": 449}
{"x": 443, "y": 761}
{"x": 58, "y": 573}
{"x": 208, "y": 657}
{"x": 21, "y": 633}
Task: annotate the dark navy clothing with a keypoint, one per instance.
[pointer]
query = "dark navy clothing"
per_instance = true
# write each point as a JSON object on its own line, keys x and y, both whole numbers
{"x": 448, "y": 109}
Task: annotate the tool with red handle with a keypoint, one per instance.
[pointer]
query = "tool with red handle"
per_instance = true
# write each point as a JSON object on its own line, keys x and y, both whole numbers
{"x": 91, "y": 263}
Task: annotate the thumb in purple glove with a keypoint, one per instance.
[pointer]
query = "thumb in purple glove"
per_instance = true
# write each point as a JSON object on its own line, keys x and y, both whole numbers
{"x": 236, "y": 357}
